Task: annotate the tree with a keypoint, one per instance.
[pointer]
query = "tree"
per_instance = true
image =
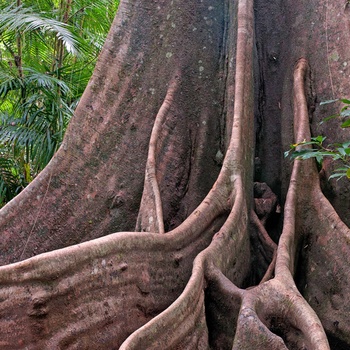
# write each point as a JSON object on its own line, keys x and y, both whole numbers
{"x": 163, "y": 137}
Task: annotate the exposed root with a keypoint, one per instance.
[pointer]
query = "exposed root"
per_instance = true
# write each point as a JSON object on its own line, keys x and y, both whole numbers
{"x": 251, "y": 332}
{"x": 326, "y": 241}
{"x": 150, "y": 219}
{"x": 277, "y": 303}
{"x": 181, "y": 320}
{"x": 131, "y": 276}
{"x": 306, "y": 318}
{"x": 223, "y": 286}
{"x": 265, "y": 204}
{"x": 276, "y": 306}
{"x": 231, "y": 241}
{"x": 268, "y": 244}
{"x": 270, "y": 272}
{"x": 275, "y": 314}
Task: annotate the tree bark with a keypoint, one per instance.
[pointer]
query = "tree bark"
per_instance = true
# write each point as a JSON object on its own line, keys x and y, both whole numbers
{"x": 161, "y": 150}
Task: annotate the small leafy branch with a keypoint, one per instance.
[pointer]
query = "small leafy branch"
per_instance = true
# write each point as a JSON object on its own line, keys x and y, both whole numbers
{"x": 336, "y": 151}
{"x": 344, "y": 113}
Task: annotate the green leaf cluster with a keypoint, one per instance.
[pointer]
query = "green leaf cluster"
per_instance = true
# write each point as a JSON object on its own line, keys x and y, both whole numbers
{"x": 317, "y": 149}
{"x": 344, "y": 113}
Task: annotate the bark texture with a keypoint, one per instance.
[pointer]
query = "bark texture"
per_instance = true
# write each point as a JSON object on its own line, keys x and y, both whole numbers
{"x": 162, "y": 151}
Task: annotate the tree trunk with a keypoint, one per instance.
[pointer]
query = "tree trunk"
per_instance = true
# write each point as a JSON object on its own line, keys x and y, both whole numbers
{"x": 161, "y": 150}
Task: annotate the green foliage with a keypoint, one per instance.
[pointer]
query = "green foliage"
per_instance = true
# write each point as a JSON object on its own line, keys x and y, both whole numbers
{"x": 336, "y": 151}
{"x": 9, "y": 177}
{"x": 344, "y": 113}
{"x": 48, "y": 50}
{"x": 19, "y": 19}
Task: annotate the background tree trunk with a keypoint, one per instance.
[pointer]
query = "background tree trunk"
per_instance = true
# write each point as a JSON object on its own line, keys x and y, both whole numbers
{"x": 163, "y": 140}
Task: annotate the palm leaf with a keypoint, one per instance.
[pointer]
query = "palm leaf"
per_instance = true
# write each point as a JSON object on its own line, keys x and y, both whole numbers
{"x": 44, "y": 81}
{"x": 21, "y": 19}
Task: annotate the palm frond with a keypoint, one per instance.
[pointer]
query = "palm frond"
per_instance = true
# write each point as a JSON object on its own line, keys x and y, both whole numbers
{"x": 21, "y": 19}
{"x": 44, "y": 81}
{"x": 9, "y": 83}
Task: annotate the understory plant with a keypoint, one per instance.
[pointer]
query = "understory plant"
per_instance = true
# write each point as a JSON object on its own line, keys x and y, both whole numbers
{"x": 336, "y": 151}
{"x": 48, "y": 50}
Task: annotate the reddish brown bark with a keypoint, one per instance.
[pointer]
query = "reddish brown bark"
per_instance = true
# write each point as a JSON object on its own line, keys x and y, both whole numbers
{"x": 164, "y": 139}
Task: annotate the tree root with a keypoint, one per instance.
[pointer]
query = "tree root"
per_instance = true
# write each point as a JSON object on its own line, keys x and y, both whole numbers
{"x": 326, "y": 243}
{"x": 231, "y": 241}
{"x": 150, "y": 218}
{"x": 269, "y": 247}
{"x": 275, "y": 306}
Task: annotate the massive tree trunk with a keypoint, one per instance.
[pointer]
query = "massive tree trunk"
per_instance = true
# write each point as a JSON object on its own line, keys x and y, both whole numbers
{"x": 162, "y": 147}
